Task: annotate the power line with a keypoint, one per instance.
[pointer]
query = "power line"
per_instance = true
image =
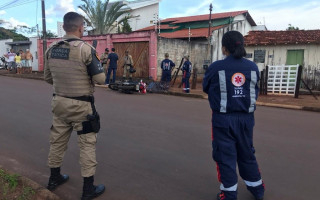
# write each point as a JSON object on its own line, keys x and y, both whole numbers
{"x": 8, "y": 3}
{"x": 17, "y": 3}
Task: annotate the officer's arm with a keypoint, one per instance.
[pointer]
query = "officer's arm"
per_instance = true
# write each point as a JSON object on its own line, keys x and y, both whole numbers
{"x": 47, "y": 73}
{"x": 131, "y": 60}
{"x": 95, "y": 70}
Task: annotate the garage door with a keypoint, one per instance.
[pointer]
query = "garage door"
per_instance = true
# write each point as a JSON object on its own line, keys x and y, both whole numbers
{"x": 140, "y": 54}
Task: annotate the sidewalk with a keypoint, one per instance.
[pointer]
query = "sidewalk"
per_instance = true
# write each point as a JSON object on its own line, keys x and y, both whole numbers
{"x": 304, "y": 102}
{"x": 34, "y": 75}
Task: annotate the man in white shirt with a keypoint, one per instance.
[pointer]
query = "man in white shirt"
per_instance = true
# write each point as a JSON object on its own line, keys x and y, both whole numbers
{"x": 10, "y": 55}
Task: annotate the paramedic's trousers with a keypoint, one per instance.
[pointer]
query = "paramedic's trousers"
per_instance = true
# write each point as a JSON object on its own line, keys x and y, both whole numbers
{"x": 232, "y": 143}
{"x": 185, "y": 81}
{"x": 166, "y": 76}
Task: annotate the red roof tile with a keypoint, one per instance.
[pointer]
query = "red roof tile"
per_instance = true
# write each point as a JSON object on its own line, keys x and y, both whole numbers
{"x": 282, "y": 37}
{"x": 204, "y": 17}
{"x": 200, "y": 32}
{"x": 162, "y": 26}
{"x": 184, "y": 33}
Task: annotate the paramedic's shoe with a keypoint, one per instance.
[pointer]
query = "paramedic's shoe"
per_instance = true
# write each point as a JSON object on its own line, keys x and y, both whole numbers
{"x": 220, "y": 196}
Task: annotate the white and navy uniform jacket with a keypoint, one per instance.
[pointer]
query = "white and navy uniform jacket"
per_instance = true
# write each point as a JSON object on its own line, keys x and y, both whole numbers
{"x": 167, "y": 65}
{"x": 232, "y": 85}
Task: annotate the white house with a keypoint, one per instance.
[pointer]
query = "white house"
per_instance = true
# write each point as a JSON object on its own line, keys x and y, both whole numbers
{"x": 267, "y": 48}
{"x": 284, "y": 47}
{"x": 4, "y": 47}
{"x": 146, "y": 12}
{"x": 32, "y": 44}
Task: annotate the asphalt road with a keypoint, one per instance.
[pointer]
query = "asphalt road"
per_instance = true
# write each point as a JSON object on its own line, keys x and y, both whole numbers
{"x": 157, "y": 147}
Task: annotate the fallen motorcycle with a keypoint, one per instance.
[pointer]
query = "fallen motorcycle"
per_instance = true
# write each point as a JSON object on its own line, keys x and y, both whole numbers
{"x": 128, "y": 86}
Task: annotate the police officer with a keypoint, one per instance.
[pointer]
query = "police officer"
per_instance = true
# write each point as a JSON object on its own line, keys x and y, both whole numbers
{"x": 231, "y": 85}
{"x": 166, "y": 65}
{"x": 104, "y": 59}
{"x": 72, "y": 67}
{"x": 186, "y": 73}
{"x": 128, "y": 64}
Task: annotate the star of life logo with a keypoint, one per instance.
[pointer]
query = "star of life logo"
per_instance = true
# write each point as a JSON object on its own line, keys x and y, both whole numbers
{"x": 238, "y": 79}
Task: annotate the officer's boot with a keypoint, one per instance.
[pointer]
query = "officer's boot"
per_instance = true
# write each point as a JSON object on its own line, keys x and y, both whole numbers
{"x": 56, "y": 178}
{"x": 91, "y": 191}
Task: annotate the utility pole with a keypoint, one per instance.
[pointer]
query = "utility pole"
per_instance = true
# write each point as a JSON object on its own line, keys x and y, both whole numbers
{"x": 44, "y": 29}
{"x": 209, "y": 34}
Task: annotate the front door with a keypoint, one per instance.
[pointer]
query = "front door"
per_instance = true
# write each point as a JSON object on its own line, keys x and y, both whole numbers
{"x": 295, "y": 57}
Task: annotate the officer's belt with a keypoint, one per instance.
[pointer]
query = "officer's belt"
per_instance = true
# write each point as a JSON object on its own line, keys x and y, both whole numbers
{"x": 81, "y": 98}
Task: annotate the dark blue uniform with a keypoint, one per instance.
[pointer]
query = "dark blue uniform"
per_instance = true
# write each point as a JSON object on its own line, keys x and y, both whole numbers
{"x": 231, "y": 85}
{"x": 113, "y": 57}
{"x": 186, "y": 70}
{"x": 166, "y": 66}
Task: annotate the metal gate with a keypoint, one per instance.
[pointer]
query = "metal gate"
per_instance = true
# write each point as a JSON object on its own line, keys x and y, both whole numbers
{"x": 140, "y": 55}
{"x": 282, "y": 79}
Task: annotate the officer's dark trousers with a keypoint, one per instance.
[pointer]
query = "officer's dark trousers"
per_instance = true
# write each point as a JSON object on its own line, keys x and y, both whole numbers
{"x": 232, "y": 143}
{"x": 109, "y": 73}
{"x": 185, "y": 82}
{"x": 166, "y": 76}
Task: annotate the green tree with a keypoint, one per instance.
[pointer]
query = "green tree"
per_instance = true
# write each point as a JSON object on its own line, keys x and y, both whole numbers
{"x": 126, "y": 28}
{"x": 292, "y": 28}
{"x": 11, "y": 34}
{"x": 101, "y": 16}
{"x": 49, "y": 35}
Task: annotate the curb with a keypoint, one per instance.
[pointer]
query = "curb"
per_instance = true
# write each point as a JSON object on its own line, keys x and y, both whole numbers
{"x": 101, "y": 86}
{"x": 198, "y": 96}
{"x": 26, "y": 77}
{"x": 305, "y": 108}
{"x": 41, "y": 192}
{"x": 279, "y": 105}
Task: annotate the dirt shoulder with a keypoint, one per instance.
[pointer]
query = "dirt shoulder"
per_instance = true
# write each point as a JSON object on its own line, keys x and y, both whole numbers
{"x": 14, "y": 186}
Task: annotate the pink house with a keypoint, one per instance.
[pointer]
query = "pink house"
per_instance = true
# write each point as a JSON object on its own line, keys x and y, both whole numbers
{"x": 141, "y": 45}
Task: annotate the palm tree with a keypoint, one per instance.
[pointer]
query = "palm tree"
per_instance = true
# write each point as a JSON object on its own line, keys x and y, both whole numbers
{"x": 103, "y": 18}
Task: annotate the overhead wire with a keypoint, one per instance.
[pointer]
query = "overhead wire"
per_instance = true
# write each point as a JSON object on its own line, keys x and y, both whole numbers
{"x": 8, "y": 3}
{"x": 16, "y": 3}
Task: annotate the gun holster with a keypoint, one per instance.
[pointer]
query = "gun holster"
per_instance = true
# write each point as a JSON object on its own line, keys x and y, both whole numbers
{"x": 94, "y": 121}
